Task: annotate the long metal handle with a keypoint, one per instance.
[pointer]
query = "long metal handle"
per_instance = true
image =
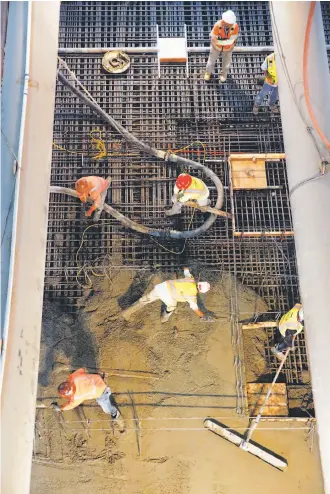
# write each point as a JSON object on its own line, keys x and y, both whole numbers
{"x": 257, "y": 420}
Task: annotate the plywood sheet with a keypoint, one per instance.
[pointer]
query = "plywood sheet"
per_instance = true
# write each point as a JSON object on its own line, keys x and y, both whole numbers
{"x": 277, "y": 404}
{"x": 248, "y": 173}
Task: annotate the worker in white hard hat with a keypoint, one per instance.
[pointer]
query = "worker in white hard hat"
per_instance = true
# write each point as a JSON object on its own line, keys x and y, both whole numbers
{"x": 188, "y": 188}
{"x": 223, "y": 39}
{"x": 270, "y": 85}
{"x": 291, "y": 324}
{"x": 170, "y": 293}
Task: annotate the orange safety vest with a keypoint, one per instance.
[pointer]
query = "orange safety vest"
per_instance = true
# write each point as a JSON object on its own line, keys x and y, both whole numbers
{"x": 96, "y": 185}
{"x": 183, "y": 290}
{"x": 86, "y": 387}
{"x": 290, "y": 321}
{"x": 226, "y": 35}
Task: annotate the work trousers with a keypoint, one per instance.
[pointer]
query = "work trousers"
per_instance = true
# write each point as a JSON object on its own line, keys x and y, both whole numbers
{"x": 267, "y": 90}
{"x": 105, "y": 403}
{"x": 226, "y": 60}
{"x": 286, "y": 341}
{"x": 159, "y": 294}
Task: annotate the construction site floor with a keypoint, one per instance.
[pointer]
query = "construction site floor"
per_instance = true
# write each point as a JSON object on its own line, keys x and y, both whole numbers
{"x": 186, "y": 374}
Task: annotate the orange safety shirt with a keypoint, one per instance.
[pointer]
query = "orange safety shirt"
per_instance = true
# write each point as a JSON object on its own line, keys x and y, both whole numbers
{"x": 226, "y": 35}
{"x": 96, "y": 185}
{"x": 85, "y": 387}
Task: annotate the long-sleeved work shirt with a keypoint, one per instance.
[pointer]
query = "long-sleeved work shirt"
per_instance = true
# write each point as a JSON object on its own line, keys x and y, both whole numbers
{"x": 85, "y": 387}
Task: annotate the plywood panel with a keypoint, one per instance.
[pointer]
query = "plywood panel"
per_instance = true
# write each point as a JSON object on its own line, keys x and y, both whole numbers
{"x": 277, "y": 404}
{"x": 248, "y": 173}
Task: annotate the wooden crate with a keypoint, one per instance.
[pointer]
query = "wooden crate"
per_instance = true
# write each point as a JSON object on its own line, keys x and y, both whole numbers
{"x": 277, "y": 405}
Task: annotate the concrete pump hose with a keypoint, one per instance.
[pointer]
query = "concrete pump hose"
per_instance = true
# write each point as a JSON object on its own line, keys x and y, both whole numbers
{"x": 167, "y": 156}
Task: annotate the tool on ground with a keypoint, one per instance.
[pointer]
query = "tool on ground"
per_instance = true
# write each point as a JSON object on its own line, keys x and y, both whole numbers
{"x": 245, "y": 443}
{"x": 64, "y": 367}
{"x": 115, "y": 62}
{"x": 206, "y": 209}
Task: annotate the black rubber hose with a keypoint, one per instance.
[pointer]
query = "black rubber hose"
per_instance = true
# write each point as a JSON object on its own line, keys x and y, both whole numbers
{"x": 167, "y": 156}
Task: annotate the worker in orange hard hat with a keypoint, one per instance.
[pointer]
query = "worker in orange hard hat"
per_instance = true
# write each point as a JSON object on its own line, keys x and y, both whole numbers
{"x": 170, "y": 293}
{"x": 223, "y": 39}
{"x": 188, "y": 188}
{"x": 94, "y": 188}
{"x": 81, "y": 386}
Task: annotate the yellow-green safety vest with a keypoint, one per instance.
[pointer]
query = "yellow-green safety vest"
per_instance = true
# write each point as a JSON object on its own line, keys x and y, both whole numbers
{"x": 290, "y": 321}
{"x": 183, "y": 290}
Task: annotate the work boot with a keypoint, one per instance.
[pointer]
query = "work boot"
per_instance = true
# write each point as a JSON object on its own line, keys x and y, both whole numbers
{"x": 274, "y": 109}
{"x": 207, "y": 76}
{"x": 119, "y": 422}
{"x": 255, "y": 110}
{"x": 165, "y": 316}
{"x": 223, "y": 78}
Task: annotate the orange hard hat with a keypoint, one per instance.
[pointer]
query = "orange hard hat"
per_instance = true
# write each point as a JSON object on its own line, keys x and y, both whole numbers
{"x": 66, "y": 388}
{"x": 183, "y": 181}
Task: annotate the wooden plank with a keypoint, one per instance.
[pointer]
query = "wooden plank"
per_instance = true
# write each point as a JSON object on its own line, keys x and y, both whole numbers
{"x": 264, "y": 234}
{"x": 248, "y": 174}
{"x": 277, "y": 403}
{"x": 265, "y": 156}
{"x": 258, "y": 325}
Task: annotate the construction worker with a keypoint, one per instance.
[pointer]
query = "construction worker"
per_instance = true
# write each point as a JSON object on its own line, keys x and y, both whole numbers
{"x": 291, "y": 324}
{"x": 170, "y": 293}
{"x": 81, "y": 386}
{"x": 94, "y": 188}
{"x": 223, "y": 39}
{"x": 270, "y": 86}
{"x": 188, "y": 188}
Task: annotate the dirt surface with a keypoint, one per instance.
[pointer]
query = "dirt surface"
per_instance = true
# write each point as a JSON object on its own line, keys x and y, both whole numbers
{"x": 184, "y": 373}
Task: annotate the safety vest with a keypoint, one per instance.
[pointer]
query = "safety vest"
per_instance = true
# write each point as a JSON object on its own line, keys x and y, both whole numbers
{"x": 290, "y": 321}
{"x": 183, "y": 290}
{"x": 196, "y": 190}
{"x": 87, "y": 387}
{"x": 271, "y": 69}
{"x": 226, "y": 35}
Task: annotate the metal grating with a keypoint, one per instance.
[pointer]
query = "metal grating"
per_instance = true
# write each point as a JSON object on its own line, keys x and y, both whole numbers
{"x": 92, "y": 24}
{"x": 297, "y": 360}
{"x": 325, "y": 9}
{"x": 170, "y": 112}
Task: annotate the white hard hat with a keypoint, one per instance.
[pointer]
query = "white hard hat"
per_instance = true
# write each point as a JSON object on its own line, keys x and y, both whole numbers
{"x": 301, "y": 314}
{"x": 229, "y": 17}
{"x": 203, "y": 286}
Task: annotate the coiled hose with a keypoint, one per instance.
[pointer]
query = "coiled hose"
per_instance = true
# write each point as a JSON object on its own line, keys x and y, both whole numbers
{"x": 167, "y": 156}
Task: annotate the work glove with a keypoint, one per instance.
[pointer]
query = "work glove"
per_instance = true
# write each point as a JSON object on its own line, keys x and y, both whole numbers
{"x": 55, "y": 406}
{"x": 208, "y": 319}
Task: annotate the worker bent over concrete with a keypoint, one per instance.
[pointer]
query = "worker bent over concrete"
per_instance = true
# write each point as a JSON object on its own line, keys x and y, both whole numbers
{"x": 94, "y": 188}
{"x": 291, "y": 324}
{"x": 223, "y": 39}
{"x": 81, "y": 386}
{"x": 270, "y": 86}
{"x": 188, "y": 188}
{"x": 170, "y": 293}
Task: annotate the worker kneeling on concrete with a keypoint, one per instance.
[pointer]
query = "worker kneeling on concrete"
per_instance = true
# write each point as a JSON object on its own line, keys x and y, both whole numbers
{"x": 94, "y": 188}
{"x": 170, "y": 293}
{"x": 270, "y": 86}
{"x": 188, "y": 188}
{"x": 81, "y": 386}
{"x": 223, "y": 40}
{"x": 291, "y": 324}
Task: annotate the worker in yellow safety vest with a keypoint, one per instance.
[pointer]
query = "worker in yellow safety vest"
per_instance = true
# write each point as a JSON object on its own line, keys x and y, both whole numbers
{"x": 270, "y": 86}
{"x": 188, "y": 188}
{"x": 291, "y": 324}
{"x": 170, "y": 293}
{"x": 223, "y": 40}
